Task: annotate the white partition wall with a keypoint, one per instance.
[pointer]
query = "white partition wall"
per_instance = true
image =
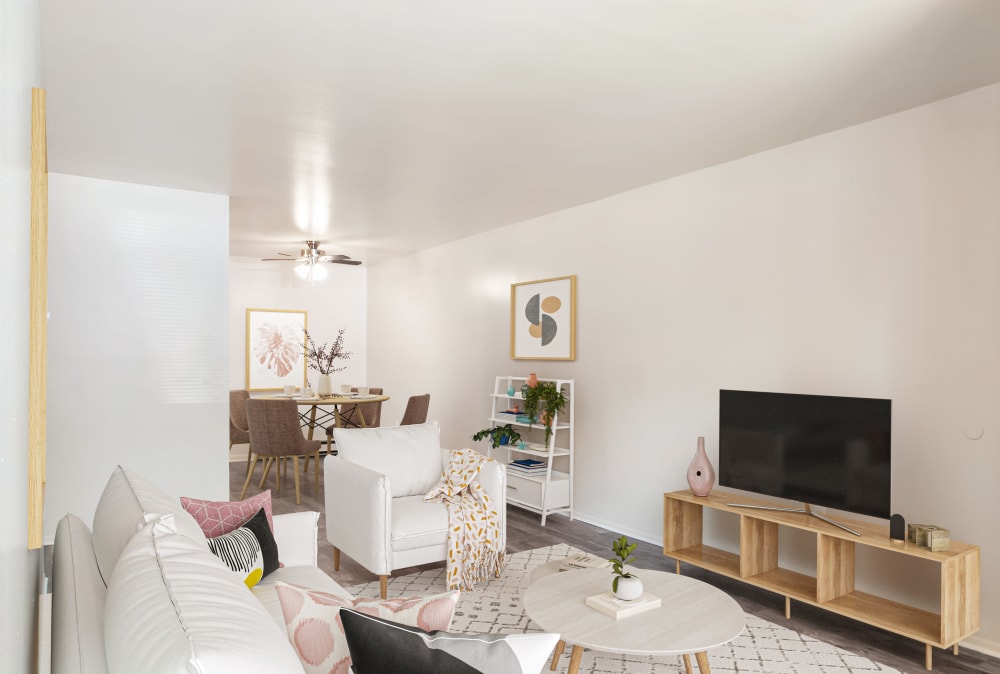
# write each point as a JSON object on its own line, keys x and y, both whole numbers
{"x": 137, "y": 340}
{"x": 19, "y": 590}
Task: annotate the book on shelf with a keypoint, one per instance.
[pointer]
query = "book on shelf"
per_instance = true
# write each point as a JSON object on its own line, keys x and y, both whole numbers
{"x": 610, "y": 605}
{"x": 528, "y": 463}
{"x": 523, "y": 471}
{"x": 527, "y": 469}
{"x": 584, "y": 560}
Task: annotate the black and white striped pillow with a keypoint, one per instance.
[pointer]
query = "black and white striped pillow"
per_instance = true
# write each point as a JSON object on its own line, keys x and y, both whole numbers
{"x": 250, "y": 550}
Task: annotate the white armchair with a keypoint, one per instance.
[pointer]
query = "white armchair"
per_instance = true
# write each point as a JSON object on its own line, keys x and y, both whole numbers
{"x": 375, "y": 486}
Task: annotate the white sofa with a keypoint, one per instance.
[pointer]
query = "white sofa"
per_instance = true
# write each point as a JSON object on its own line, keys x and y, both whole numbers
{"x": 374, "y": 496}
{"x": 143, "y": 593}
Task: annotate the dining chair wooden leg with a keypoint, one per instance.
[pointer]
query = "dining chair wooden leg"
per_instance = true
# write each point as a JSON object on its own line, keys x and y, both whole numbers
{"x": 316, "y": 476}
{"x": 295, "y": 469}
{"x": 249, "y": 454}
{"x": 267, "y": 470}
{"x": 249, "y": 477}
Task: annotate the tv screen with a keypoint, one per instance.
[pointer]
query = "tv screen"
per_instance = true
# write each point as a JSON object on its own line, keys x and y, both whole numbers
{"x": 822, "y": 450}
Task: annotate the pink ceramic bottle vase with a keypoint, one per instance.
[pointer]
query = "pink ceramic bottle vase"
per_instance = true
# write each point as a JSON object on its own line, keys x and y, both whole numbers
{"x": 701, "y": 475}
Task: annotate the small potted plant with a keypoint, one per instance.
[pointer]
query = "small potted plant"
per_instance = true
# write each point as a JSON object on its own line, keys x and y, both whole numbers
{"x": 625, "y": 585}
{"x": 498, "y": 435}
{"x": 547, "y": 398}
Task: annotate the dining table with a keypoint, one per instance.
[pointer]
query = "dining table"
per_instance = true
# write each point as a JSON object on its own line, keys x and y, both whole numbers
{"x": 323, "y": 409}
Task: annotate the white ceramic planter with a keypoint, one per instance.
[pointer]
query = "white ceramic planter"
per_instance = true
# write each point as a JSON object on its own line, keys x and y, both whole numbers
{"x": 629, "y": 588}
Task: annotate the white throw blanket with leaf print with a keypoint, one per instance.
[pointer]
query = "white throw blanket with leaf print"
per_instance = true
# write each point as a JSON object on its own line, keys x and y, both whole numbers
{"x": 474, "y": 536}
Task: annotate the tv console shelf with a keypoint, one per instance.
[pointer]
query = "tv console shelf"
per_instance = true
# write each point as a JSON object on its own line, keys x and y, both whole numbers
{"x": 832, "y": 586}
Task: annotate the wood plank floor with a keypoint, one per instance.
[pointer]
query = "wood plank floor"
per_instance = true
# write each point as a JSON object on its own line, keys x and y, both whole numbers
{"x": 525, "y": 533}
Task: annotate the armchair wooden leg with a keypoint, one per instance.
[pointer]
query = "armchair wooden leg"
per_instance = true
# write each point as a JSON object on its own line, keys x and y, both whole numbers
{"x": 336, "y": 558}
{"x": 249, "y": 477}
{"x": 383, "y": 586}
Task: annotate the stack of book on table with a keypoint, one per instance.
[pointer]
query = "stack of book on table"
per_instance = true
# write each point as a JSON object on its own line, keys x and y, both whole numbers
{"x": 527, "y": 467}
{"x": 584, "y": 560}
{"x": 610, "y": 605}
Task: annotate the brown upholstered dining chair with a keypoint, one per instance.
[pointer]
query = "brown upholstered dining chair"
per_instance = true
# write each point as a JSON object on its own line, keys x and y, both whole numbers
{"x": 275, "y": 434}
{"x": 239, "y": 431}
{"x": 416, "y": 410}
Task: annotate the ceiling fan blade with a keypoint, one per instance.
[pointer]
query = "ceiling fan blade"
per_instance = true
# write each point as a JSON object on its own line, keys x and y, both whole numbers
{"x": 281, "y": 259}
{"x": 346, "y": 261}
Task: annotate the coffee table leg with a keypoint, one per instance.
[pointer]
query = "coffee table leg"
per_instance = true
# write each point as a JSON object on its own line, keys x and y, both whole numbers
{"x": 560, "y": 647}
{"x": 574, "y": 659}
{"x": 703, "y": 667}
{"x": 687, "y": 664}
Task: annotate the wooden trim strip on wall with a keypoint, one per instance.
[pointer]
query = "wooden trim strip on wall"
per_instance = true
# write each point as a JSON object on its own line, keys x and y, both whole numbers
{"x": 38, "y": 284}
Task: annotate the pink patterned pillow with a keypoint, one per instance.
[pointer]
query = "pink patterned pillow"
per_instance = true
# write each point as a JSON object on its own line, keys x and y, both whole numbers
{"x": 217, "y": 518}
{"x": 312, "y": 619}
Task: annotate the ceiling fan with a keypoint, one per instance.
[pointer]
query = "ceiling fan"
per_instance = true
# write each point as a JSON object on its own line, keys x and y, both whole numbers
{"x": 309, "y": 260}
{"x": 312, "y": 255}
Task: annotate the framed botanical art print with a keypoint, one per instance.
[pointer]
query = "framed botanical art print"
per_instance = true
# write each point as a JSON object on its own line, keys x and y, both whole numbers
{"x": 543, "y": 319}
{"x": 274, "y": 348}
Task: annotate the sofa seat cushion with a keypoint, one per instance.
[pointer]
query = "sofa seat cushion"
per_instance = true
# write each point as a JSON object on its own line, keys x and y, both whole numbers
{"x": 302, "y": 576}
{"x": 77, "y": 600}
{"x": 410, "y": 456}
{"x": 130, "y": 501}
{"x": 418, "y": 524}
{"x": 172, "y": 606}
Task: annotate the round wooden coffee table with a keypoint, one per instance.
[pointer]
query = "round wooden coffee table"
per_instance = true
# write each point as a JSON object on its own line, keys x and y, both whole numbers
{"x": 693, "y": 616}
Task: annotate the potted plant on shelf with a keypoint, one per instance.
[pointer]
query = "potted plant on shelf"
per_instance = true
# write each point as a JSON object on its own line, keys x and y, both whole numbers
{"x": 498, "y": 435}
{"x": 625, "y": 585}
{"x": 546, "y": 398}
{"x": 322, "y": 359}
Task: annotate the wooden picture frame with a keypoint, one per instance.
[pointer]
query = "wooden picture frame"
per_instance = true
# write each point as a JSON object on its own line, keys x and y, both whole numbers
{"x": 543, "y": 319}
{"x": 274, "y": 348}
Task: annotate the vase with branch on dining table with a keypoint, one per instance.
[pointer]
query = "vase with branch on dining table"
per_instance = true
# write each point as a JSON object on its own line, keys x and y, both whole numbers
{"x": 323, "y": 359}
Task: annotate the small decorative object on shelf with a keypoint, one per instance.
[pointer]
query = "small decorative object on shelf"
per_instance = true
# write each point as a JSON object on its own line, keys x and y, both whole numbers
{"x": 498, "y": 435}
{"x": 532, "y": 380}
{"x": 928, "y": 536}
{"x": 701, "y": 475}
{"x": 545, "y": 398}
{"x": 510, "y": 391}
{"x": 322, "y": 359}
{"x": 625, "y": 585}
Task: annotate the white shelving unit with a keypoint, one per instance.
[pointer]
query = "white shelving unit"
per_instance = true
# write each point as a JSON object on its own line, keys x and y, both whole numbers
{"x": 551, "y": 490}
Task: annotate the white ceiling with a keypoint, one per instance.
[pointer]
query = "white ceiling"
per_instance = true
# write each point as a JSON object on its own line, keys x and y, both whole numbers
{"x": 381, "y": 127}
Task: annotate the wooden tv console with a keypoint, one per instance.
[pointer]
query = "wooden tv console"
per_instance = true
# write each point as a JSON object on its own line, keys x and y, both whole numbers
{"x": 832, "y": 586}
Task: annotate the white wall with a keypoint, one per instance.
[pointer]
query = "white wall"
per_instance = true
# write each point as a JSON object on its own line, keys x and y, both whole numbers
{"x": 137, "y": 340}
{"x": 338, "y": 301}
{"x": 862, "y": 262}
{"x": 19, "y": 587}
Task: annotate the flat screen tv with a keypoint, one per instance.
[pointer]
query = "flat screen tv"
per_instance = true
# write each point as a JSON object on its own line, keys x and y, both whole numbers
{"x": 821, "y": 450}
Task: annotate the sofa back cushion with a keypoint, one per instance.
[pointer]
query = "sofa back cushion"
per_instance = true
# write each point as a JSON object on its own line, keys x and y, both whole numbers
{"x": 128, "y": 502}
{"x": 410, "y": 456}
{"x": 77, "y": 601}
{"x": 172, "y": 606}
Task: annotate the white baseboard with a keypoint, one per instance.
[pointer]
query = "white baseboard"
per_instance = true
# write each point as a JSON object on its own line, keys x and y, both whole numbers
{"x": 981, "y": 645}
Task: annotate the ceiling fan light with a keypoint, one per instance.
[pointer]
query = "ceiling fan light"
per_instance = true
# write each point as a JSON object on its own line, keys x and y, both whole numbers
{"x": 302, "y": 270}
{"x": 319, "y": 272}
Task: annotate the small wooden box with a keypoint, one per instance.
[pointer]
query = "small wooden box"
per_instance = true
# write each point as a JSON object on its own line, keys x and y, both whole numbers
{"x": 917, "y": 534}
{"x": 938, "y": 540}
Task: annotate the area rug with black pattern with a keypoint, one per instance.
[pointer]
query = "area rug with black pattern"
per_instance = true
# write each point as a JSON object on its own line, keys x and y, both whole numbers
{"x": 495, "y": 606}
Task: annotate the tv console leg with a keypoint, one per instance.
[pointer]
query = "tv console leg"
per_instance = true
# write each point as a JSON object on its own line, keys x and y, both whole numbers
{"x": 930, "y": 654}
{"x": 788, "y": 608}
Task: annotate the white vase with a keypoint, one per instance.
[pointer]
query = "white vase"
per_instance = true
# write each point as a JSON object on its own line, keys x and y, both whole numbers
{"x": 629, "y": 588}
{"x": 324, "y": 387}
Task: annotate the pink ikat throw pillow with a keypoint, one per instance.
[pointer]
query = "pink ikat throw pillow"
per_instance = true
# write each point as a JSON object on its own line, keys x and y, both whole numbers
{"x": 312, "y": 620}
{"x": 217, "y": 518}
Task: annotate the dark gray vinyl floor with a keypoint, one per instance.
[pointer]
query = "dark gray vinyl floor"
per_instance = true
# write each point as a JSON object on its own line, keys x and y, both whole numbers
{"x": 524, "y": 533}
